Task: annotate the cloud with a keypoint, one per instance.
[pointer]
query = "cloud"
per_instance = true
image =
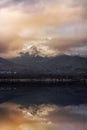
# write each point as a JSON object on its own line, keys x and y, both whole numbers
{"x": 63, "y": 44}
{"x": 24, "y": 21}
{"x": 6, "y": 3}
{"x": 82, "y": 5}
{"x": 3, "y": 48}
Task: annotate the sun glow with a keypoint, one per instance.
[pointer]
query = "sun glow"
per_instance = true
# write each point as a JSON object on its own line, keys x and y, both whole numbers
{"x": 25, "y": 127}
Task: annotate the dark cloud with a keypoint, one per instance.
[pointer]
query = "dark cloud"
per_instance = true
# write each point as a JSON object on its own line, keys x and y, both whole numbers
{"x": 7, "y": 3}
{"x": 3, "y": 48}
{"x": 82, "y": 4}
{"x": 64, "y": 44}
{"x": 24, "y": 1}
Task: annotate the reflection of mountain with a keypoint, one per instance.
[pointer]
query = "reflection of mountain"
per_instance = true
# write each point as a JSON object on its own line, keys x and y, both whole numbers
{"x": 43, "y": 65}
{"x": 52, "y": 65}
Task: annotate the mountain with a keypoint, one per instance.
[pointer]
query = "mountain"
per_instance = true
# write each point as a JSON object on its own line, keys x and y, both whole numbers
{"x": 30, "y": 64}
{"x": 8, "y": 67}
{"x": 62, "y": 64}
{"x": 5, "y": 64}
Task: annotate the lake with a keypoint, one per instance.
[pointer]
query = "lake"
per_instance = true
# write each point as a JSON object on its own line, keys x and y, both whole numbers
{"x": 42, "y": 106}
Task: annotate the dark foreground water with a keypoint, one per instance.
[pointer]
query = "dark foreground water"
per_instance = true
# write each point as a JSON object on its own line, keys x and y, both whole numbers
{"x": 58, "y": 94}
{"x": 43, "y": 106}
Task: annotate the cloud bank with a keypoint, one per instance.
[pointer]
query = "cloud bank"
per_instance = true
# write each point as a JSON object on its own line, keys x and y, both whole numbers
{"x": 62, "y": 25}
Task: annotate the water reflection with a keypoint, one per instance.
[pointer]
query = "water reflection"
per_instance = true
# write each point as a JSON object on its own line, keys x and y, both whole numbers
{"x": 43, "y": 107}
{"x": 43, "y": 117}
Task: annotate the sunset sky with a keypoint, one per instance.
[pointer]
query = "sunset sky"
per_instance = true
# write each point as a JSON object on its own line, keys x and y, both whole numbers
{"x": 52, "y": 26}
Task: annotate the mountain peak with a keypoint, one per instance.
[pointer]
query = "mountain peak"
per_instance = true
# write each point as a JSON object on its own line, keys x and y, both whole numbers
{"x": 34, "y": 50}
{"x": 43, "y": 51}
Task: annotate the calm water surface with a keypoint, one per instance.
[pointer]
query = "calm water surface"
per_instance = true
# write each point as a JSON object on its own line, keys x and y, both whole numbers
{"x": 43, "y": 107}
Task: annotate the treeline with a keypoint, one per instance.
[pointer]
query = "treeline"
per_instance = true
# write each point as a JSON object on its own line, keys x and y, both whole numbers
{"x": 43, "y": 76}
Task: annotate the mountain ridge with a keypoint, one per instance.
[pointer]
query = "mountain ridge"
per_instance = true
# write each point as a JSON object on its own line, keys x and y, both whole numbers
{"x": 63, "y": 64}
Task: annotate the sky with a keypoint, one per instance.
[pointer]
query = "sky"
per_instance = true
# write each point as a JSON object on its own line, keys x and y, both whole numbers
{"x": 42, "y": 117}
{"x": 53, "y": 27}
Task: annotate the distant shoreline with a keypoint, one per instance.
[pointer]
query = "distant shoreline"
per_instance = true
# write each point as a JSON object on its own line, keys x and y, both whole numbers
{"x": 43, "y": 80}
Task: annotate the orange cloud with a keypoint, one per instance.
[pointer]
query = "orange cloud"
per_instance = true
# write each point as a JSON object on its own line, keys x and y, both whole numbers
{"x": 19, "y": 25}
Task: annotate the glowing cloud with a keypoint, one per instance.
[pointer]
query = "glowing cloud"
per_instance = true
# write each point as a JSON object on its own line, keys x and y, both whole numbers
{"x": 24, "y": 21}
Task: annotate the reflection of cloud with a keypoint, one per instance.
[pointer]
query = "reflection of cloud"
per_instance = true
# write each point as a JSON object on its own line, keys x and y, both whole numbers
{"x": 43, "y": 117}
